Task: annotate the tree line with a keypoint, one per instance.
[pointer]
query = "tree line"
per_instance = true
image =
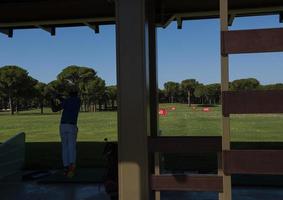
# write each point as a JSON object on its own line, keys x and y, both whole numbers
{"x": 19, "y": 91}
{"x": 193, "y": 92}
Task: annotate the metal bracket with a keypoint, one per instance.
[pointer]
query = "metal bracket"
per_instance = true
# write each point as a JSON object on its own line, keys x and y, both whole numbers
{"x": 179, "y": 23}
{"x": 51, "y": 30}
{"x": 231, "y": 18}
{"x": 94, "y": 27}
{"x": 9, "y": 32}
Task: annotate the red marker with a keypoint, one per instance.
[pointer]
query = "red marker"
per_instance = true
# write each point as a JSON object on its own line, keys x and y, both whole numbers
{"x": 163, "y": 112}
{"x": 206, "y": 110}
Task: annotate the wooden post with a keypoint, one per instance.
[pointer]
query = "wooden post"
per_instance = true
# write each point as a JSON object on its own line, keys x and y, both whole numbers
{"x": 227, "y": 190}
{"x": 154, "y": 100}
{"x": 133, "y": 99}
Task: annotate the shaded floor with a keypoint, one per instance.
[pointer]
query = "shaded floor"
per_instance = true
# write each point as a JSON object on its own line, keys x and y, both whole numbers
{"x": 239, "y": 193}
{"x": 33, "y": 191}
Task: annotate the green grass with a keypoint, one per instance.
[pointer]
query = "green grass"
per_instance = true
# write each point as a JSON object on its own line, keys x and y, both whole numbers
{"x": 184, "y": 121}
{"x": 189, "y": 122}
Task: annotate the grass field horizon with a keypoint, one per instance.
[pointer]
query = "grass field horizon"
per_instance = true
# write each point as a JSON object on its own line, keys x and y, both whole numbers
{"x": 184, "y": 121}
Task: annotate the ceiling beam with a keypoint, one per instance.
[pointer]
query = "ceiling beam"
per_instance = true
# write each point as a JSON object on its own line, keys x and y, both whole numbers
{"x": 51, "y": 30}
{"x": 93, "y": 26}
{"x": 9, "y": 32}
{"x": 100, "y": 20}
{"x": 237, "y": 12}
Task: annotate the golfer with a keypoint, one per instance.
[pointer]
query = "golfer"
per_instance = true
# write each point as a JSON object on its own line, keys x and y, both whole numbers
{"x": 68, "y": 129}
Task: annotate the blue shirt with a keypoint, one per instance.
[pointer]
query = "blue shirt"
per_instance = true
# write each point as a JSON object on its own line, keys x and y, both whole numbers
{"x": 71, "y": 108}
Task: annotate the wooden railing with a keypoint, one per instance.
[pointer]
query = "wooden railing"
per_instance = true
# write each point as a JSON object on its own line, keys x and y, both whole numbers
{"x": 186, "y": 182}
{"x": 196, "y": 183}
{"x": 247, "y": 102}
{"x": 198, "y": 144}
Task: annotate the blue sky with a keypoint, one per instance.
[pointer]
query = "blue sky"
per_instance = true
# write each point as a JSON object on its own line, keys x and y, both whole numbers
{"x": 192, "y": 52}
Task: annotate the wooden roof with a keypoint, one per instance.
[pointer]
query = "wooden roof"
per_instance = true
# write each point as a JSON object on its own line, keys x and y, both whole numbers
{"x": 19, "y": 14}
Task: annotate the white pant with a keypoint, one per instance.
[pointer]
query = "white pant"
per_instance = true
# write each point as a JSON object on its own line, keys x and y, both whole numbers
{"x": 68, "y": 133}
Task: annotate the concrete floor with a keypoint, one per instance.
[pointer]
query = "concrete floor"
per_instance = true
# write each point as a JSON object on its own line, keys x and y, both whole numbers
{"x": 33, "y": 191}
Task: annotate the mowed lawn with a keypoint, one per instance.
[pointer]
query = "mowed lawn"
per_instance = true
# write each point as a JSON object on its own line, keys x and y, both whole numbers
{"x": 183, "y": 121}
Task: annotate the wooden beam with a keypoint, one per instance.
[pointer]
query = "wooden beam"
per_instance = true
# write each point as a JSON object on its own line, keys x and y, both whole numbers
{"x": 200, "y": 14}
{"x": 93, "y": 26}
{"x": 26, "y": 11}
{"x": 237, "y": 12}
{"x": 227, "y": 184}
{"x": 252, "y": 102}
{"x": 153, "y": 87}
{"x": 133, "y": 110}
{"x": 9, "y": 32}
{"x": 252, "y": 41}
{"x": 196, "y": 183}
{"x": 253, "y": 162}
{"x": 98, "y": 20}
{"x": 166, "y": 144}
{"x": 102, "y": 11}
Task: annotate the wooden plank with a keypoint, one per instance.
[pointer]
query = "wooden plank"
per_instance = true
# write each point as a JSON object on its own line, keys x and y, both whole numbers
{"x": 253, "y": 162}
{"x": 252, "y": 102}
{"x": 252, "y": 41}
{"x": 197, "y": 183}
{"x": 165, "y": 144}
{"x": 224, "y": 23}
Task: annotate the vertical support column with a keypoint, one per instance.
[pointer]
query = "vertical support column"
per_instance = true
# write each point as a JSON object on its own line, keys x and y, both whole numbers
{"x": 227, "y": 190}
{"x": 154, "y": 100}
{"x": 133, "y": 99}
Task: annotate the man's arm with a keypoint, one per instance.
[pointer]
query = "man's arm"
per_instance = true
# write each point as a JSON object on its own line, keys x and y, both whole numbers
{"x": 55, "y": 107}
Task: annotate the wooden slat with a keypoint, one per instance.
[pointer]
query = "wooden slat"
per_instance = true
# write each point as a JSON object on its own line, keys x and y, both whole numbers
{"x": 197, "y": 183}
{"x": 252, "y": 41}
{"x": 252, "y": 102}
{"x": 184, "y": 144}
{"x": 253, "y": 162}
